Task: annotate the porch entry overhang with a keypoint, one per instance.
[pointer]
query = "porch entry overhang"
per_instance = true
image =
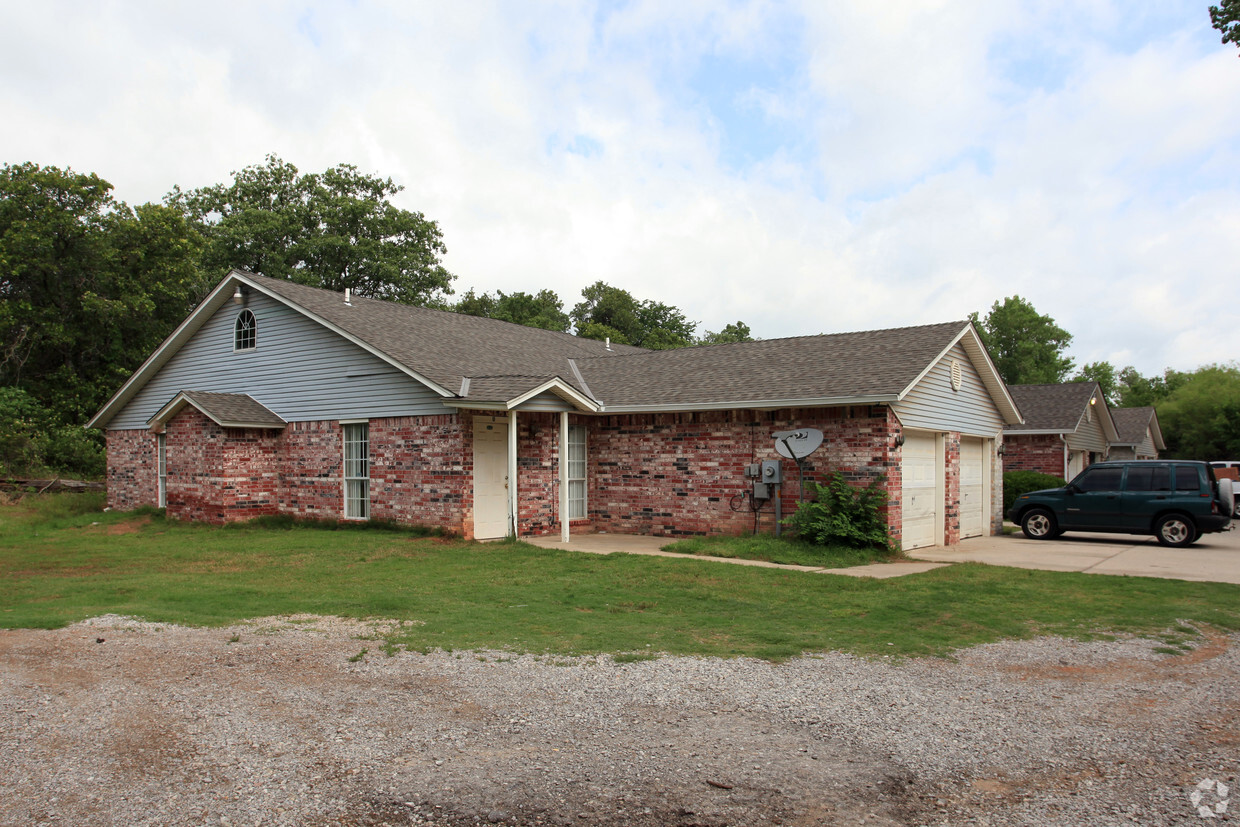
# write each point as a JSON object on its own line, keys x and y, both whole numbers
{"x": 496, "y": 481}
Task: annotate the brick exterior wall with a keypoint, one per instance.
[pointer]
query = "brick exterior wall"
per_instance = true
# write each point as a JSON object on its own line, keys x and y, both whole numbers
{"x": 659, "y": 474}
{"x": 421, "y": 471}
{"x": 951, "y": 488}
{"x": 220, "y": 475}
{"x": 1043, "y": 453}
{"x": 133, "y": 469}
{"x": 311, "y": 473}
{"x": 677, "y": 474}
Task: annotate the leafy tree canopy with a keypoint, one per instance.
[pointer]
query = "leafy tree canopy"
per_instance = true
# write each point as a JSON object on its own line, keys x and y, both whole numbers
{"x": 731, "y": 333}
{"x": 543, "y": 310}
{"x": 89, "y": 286}
{"x": 1200, "y": 418}
{"x": 1104, "y": 374}
{"x": 334, "y": 229}
{"x": 1226, "y": 18}
{"x": 610, "y": 312}
{"x": 1137, "y": 391}
{"x": 1027, "y": 347}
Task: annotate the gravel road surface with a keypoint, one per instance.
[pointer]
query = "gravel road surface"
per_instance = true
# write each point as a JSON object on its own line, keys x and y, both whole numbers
{"x": 278, "y": 722}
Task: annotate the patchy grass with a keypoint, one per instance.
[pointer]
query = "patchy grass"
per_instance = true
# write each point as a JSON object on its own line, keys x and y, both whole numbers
{"x": 60, "y": 563}
{"x": 781, "y": 550}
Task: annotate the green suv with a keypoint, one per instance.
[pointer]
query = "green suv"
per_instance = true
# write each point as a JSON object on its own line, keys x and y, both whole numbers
{"x": 1175, "y": 500}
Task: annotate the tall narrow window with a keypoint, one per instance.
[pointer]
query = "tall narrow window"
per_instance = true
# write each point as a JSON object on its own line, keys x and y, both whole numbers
{"x": 245, "y": 331}
{"x": 357, "y": 471}
{"x": 576, "y": 472}
{"x": 161, "y": 444}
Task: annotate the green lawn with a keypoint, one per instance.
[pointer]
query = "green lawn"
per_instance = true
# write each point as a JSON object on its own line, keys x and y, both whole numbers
{"x": 781, "y": 550}
{"x": 61, "y": 560}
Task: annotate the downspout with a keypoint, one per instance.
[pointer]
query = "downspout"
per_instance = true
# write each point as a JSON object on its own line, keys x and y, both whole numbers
{"x": 563, "y": 476}
{"x": 1066, "y": 455}
{"x": 512, "y": 474}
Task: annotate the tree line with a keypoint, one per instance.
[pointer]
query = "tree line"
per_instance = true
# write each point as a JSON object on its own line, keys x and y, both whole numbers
{"x": 91, "y": 286}
{"x": 1198, "y": 411}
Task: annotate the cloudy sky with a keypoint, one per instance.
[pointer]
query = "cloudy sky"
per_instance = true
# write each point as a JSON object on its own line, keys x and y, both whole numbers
{"x": 804, "y": 167}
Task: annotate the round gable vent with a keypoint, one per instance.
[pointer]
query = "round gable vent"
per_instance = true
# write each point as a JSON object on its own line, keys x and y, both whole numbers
{"x": 957, "y": 375}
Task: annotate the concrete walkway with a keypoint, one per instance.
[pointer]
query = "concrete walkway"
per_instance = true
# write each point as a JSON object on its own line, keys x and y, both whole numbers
{"x": 1213, "y": 558}
{"x": 635, "y": 544}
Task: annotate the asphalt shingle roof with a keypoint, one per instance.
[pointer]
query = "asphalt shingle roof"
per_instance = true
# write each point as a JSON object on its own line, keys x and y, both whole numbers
{"x": 1052, "y": 407}
{"x": 1132, "y": 424}
{"x": 234, "y": 408}
{"x": 874, "y": 363}
{"x": 446, "y": 347}
{"x": 503, "y": 360}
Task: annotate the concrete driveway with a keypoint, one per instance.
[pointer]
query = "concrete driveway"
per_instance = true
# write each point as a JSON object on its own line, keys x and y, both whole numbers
{"x": 1215, "y": 557}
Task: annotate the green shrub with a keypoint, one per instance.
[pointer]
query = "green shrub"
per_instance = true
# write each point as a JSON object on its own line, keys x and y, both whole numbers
{"x": 33, "y": 442}
{"x": 1016, "y": 483}
{"x": 842, "y": 515}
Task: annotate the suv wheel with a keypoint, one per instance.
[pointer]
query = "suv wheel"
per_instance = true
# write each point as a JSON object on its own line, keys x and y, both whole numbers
{"x": 1175, "y": 530}
{"x": 1039, "y": 524}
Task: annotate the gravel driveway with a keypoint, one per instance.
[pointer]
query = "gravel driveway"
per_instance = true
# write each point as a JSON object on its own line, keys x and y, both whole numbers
{"x": 116, "y": 722}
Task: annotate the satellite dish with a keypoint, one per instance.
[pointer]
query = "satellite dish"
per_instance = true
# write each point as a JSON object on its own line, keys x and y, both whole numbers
{"x": 797, "y": 444}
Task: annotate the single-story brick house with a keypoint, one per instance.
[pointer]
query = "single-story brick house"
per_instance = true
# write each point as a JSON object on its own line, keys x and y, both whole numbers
{"x": 273, "y": 397}
{"x": 1067, "y": 427}
{"x": 1139, "y": 435}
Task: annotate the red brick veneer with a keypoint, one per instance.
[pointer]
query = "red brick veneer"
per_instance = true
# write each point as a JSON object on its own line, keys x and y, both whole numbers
{"x": 662, "y": 474}
{"x": 220, "y": 475}
{"x": 1043, "y": 453}
{"x": 674, "y": 474}
{"x": 133, "y": 469}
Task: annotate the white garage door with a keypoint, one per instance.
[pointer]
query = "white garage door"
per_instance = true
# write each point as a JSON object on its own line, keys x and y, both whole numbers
{"x": 972, "y": 487}
{"x": 920, "y": 503}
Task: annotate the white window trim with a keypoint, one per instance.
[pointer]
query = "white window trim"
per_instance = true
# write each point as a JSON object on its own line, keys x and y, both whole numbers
{"x": 578, "y": 507}
{"x": 161, "y": 470}
{"x": 346, "y": 478}
{"x": 254, "y": 331}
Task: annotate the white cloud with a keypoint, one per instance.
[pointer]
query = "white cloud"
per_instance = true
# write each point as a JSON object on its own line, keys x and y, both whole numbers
{"x": 1083, "y": 155}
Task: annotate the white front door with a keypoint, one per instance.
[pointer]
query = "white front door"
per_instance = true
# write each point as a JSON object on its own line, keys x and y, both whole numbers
{"x": 972, "y": 487}
{"x": 921, "y": 498}
{"x": 490, "y": 478}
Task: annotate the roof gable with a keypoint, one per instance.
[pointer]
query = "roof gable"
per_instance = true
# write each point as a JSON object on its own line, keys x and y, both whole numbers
{"x": 228, "y": 410}
{"x": 1061, "y": 408}
{"x": 1132, "y": 425}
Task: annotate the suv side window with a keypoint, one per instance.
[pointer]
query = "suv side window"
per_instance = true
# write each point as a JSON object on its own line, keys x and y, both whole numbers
{"x": 1186, "y": 478}
{"x": 1100, "y": 478}
{"x": 1149, "y": 478}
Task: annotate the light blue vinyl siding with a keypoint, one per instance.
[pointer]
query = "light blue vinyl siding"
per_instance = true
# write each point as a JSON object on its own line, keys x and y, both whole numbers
{"x": 933, "y": 405}
{"x": 299, "y": 369}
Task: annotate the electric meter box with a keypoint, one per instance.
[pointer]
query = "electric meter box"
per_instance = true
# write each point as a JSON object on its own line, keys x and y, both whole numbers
{"x": 772, "y": 471}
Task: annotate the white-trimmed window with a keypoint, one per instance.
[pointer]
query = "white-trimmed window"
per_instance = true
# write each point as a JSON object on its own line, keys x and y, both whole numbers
{"x": 161, "y": 446}
{"x": 245, "y": 331}
{"x": 357, "y": 471}
{"x": 576, "y": 472}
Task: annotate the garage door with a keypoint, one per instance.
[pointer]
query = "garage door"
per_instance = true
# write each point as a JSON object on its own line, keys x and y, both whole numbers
{"x": 972, "y": 487}
{"x": 920, "y": 503}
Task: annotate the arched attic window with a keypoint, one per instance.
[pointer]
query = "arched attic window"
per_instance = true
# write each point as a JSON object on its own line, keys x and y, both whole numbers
{"x": 245, "y": 331}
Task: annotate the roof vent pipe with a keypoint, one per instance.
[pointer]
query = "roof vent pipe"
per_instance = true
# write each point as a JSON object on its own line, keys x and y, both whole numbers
{"x": 348, "y": 295}
{"x": 607, "y": 343}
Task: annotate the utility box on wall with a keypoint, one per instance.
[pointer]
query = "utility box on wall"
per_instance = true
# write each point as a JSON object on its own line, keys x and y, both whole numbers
{"x": 772, "y": 471}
